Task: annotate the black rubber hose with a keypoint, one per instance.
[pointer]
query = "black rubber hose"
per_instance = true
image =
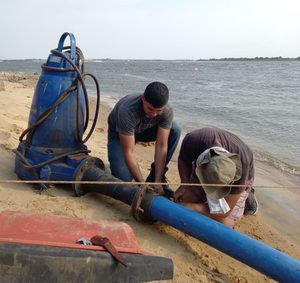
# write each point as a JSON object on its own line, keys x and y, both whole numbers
{"x": 119, "y": 192}
{"x": 80, "y": 81}
{"x": 26, "y": 163}
{"x": 63, "y": 96}
{"x": 97, "y": 107}
{"x": 47, "y": 113}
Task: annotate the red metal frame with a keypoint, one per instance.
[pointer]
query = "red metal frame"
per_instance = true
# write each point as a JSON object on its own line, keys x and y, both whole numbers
{"x": 39, "y": 229}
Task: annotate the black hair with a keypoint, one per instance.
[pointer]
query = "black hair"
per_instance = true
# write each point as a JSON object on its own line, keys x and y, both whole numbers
{"x": 157, "y": 94}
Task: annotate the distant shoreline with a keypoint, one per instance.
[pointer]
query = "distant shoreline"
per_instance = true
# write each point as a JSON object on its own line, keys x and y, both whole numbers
{"x": 253, "y": 59}
{"x": 279, "y": 58}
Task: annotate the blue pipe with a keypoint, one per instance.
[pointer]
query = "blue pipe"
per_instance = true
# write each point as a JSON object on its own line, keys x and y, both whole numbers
{"x": 258, "y": 255}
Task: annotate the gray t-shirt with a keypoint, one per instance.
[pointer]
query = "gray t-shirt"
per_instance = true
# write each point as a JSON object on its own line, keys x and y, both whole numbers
{"x": 128, "y": 117}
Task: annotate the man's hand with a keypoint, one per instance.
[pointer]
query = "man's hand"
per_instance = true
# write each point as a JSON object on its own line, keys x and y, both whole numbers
{"x": 128, "y": 146}
{"x": 179, "y": 193}
{"x": 158, "y": 189}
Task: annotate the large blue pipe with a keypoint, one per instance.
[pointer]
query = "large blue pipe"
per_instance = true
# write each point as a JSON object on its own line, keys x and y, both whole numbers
{"x": 258, "y": 255}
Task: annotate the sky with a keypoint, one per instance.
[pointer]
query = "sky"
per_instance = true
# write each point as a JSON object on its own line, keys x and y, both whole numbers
{"x": 152, "y": 29}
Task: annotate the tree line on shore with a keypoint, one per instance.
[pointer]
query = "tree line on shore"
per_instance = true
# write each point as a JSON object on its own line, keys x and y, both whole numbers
{"x": 279, "y": 58}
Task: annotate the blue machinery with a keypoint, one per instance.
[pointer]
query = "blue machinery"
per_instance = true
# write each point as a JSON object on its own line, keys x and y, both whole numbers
{"x": 54, "y": 149}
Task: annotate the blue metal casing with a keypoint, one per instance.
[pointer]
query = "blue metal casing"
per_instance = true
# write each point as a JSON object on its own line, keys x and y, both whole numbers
{"x": 59, "y": 133}
{"x": 59, "y": 130}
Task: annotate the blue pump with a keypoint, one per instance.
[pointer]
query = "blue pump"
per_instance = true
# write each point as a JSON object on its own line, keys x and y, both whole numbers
{"x": 52, "y": 147}
{"x": 57, "y": 81}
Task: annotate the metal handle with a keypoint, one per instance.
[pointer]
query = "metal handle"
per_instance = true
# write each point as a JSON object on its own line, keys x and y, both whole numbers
{"x": 72, "y": 44}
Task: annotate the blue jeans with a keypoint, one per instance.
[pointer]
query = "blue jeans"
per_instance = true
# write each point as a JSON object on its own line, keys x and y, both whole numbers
{"x": 116, "y": 159}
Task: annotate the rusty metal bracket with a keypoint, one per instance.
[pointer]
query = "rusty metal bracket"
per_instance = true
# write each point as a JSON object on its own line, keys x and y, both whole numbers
{"x": 106, "y": 243}
{"x": 137, "y": 211}
{"x": 83, "y": 167}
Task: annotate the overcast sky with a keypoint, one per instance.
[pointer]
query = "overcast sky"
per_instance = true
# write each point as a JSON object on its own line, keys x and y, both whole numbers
{"x": 152, "y": 29}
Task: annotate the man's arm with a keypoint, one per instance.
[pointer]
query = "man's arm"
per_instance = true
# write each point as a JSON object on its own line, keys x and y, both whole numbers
{"x": 185, "y": 170}
{"x": 128, "y": 146}
{"x": 204, "y": 209}
{"x": 160, "y": 156}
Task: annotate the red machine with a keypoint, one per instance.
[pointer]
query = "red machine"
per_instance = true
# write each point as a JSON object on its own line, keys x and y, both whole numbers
{"x": 43, "y": 248}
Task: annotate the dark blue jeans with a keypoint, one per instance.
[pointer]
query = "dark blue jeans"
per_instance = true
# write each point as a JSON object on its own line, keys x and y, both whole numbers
{"x": 116, "y": 159}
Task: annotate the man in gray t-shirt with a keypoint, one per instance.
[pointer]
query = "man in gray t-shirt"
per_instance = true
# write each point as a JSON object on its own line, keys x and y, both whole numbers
{"x": 147, "y": 117}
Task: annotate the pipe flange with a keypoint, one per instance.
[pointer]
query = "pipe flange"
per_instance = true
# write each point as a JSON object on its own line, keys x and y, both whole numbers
{"x": 85, "y": 165}
{"x": 137, "y": 211}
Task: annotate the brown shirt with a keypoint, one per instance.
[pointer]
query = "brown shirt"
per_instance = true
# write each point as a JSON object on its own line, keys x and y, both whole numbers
{"x": 198, "y": 141}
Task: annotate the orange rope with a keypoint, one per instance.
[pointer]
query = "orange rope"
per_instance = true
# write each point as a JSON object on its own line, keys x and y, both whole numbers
{"x": 139, "y": 183}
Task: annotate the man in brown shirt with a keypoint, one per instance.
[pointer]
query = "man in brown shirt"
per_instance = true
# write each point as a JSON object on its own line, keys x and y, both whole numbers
{"x": 214, "y": 157}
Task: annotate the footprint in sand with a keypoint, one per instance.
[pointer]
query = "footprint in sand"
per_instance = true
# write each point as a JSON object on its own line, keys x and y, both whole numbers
{"x": 15, "y": 117}
{"x": 9, "y": 139}
{"x": 101, "y": 130}
{"x": 16, "y": 129}
{"x": 4, "y": 136}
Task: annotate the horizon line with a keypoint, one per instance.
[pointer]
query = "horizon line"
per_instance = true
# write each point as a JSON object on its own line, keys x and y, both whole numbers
{"x": 144, "y": 59}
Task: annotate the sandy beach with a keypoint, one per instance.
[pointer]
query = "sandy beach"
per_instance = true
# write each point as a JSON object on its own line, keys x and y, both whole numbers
{"x": 276, "y": 224}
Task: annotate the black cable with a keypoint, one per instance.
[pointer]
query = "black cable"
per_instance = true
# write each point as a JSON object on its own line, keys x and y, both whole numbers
{"x": 62, "y": 97}
{"x": 97, "y": 107}
{"x": 30, "y": 166}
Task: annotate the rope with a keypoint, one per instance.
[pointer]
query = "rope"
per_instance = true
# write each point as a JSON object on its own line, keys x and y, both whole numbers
{"x": 140, "y": 183}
